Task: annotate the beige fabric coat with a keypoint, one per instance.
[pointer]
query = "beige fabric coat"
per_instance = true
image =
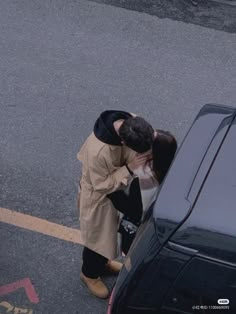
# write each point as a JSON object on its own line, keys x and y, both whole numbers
{"x": 103, "y": 171}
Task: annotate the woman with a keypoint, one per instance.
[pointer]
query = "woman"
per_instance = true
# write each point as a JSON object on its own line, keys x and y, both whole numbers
{"x": 143, "y": 189}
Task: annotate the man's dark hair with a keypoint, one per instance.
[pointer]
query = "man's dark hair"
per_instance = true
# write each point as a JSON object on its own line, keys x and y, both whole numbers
{"x": 137, "y": 134}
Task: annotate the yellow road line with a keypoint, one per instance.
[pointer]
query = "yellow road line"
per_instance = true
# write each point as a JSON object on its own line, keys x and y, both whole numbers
{"x": 40, "y": 225}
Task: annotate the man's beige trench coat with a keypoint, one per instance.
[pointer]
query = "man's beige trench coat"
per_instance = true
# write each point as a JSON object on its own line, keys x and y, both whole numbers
{"x": 103, "y": 171}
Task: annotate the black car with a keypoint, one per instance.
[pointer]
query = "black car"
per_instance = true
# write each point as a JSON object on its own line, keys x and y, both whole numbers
{"x": 183, "y": 259}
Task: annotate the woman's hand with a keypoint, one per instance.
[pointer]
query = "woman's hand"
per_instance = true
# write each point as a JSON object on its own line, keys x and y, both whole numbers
{"x": 140, "y": 160}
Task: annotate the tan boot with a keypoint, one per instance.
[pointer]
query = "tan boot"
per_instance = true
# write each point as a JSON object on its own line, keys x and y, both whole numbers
{"x": 95, "y": 286}
{"x": 113, "y": 266}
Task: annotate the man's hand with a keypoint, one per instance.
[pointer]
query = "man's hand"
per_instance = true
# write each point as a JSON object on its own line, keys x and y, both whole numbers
{"x": 140, "y": 160}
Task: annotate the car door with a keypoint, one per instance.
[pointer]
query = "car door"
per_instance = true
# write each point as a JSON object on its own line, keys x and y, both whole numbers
{"x": 203, "y": 285}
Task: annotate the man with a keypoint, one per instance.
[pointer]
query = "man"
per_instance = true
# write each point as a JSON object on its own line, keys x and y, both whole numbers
{"x": 108, "y": 158}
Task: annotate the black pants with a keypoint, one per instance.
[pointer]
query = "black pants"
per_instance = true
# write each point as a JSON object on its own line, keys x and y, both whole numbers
{"x": 93, "y": 263}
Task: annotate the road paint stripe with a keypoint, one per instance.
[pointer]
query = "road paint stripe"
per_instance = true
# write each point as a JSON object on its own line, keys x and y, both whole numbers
{"x": 40, "y": 225}
{"x": 24, "y": 283}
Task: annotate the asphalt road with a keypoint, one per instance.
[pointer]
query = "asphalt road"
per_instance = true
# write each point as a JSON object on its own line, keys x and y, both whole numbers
{"x": 61, "y": 64}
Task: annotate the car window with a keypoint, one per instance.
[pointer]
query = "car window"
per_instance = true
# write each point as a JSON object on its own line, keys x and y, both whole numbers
{"x": 206, "y": 135}
{"x": 211, "y": 227}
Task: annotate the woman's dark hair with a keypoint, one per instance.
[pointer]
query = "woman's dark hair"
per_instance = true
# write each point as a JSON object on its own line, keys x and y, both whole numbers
{"x": 137, "y": 134}
{"x": 163, "y": 150}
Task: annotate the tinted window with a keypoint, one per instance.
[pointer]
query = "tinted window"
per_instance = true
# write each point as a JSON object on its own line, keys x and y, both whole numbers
{"x": 211, "y": 227}
{"x": 204, "y": 139}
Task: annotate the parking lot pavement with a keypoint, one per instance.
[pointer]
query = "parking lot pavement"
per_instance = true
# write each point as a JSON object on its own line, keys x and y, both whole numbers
{"x": 62, "y": 63}
{"x": 39, "y": 274}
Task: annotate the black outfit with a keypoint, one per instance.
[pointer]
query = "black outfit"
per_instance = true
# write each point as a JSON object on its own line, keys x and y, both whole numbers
{"x": 132, "y": 208}
{"x": 94, "y": 263}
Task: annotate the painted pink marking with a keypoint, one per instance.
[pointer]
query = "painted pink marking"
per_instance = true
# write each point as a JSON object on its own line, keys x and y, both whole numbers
{"x": 24, "y": 283}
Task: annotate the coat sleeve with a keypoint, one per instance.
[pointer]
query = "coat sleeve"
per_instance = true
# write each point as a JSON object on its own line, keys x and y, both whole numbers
{"x": 102, "y": 180}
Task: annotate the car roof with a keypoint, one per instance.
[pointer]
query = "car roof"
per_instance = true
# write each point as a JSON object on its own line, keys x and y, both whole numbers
{"x": 202, "y": 174}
